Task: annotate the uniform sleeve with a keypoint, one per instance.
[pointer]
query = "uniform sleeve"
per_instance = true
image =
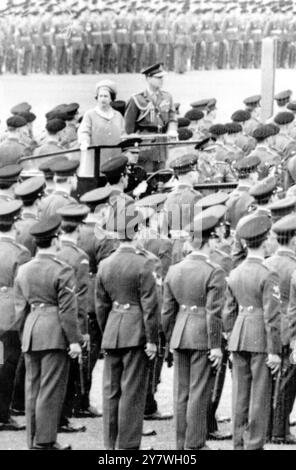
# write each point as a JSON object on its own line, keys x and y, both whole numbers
{"x": 214, "y": 306}
{"x": 67, "y": 304}
{"x": 272, "y": 313}
{"x": 84, "y": 130}
{"x": 131, "y": 116}
{"x": 292, "y": 309}
{"x": 21, "y": 305}
{"x": 170, "y": 308}
{"x": 230, "y": 310}
{"x": 150, "y": 304}
{"x": 82, "y": 294}
{"x": 103, "y": 302}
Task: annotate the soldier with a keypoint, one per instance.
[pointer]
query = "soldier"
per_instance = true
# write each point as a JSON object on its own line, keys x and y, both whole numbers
{"x": 152, "y": 111}
{"x": 283, "y": 261}
{"x": 65, "y": 182}
{"x": 264, "y": 136}
{"x": 198, "y": 45}
{"x": 233, "y": 133}
{"x": 138, "y": 37}
{"x": 73, "y": 216}
{"x": 244, "y": 141}
{"x": 122, "y": 40}
{"x": 283, "y": 143}
{"x": 12, "y": 148}
{"x": 116, "y": 174}
{"x": 25, "y": 46}
{"x": 282, "y": 99}
{"x": 107, "y": 40}
{"x": 60, "y": 42}
{"x": 47, "y": 34}
{"x": 8, "y": 178}
{"x": 253, "y": 106}
{"x": 95, "y": 40}
{"x": 126, "y": 291}
{"x": 13, "y": 256}
{"x": 191, "y": 319}
{"x": 55, "y": 133}
{"x": 46, "y": 310}
{"x": 37, "y": 41}
{"x": 76, "y": 40}
{"x": 181, "y": 38}
{"x": 251, "y": 319}
{"x": 160, "y": 33}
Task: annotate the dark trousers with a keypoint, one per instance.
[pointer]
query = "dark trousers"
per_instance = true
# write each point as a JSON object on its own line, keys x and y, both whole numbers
{"x": 154, "y": 374}
{"x": 46, "y": 383}
{"x": 193, "y": 384}
{"x": 71, "y": 391}
{"x": 251, "y": 396}
{"x": 18, "y": 398}
{"x": 125, "y": 379}
{"x": 11, "y": 350}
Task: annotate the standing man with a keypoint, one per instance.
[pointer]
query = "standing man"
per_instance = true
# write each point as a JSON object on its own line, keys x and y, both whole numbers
{"x": 127, "y": 312}
{"x": 252, "y": 323}
{"x": 46, "y": 309}
{"x": 193, "y": 299}
{"x": 152, "y": 111}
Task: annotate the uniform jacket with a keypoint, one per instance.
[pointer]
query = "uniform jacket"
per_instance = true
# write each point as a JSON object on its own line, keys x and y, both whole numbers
{"x": 246, "y": 143}
{"x": 11, "y": 150}
{"x": 223, "y": 260}
{"x": 71, "y": 254}
{"x": 238, "y": 204}
{"x": 284, "y": 263}
{"x": 252, "y": 310}
{"x": 12, "y": 256}
{"x": 180, "y": 206}
{"x": 126, "y": 299}
{"x": 50, "y": 204}
{"x": 45, "y": 304}
{"x": 192, "y": 303}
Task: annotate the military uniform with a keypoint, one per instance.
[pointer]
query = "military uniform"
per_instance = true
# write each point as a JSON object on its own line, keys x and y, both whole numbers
{"x": 252, "y": 321}
{"x": 122, "y": 39}
{"x": 181, "y": 36}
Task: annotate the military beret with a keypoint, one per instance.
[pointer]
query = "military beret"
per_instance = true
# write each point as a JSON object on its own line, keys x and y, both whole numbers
{"x": 217, "y": 211}
{"x": 254, "y": 227}
{"x": 211, "y": 104}
{"x": 55, "y": 125}
{"x": 214, "y": 199}
{"x": 264, "y": 188}
{"x": 109, "y": 84}
{"x": 184, "y": 133}
{"x": 292, "y": 106}
{"x": 119, "y": 105}
{"x": 252, "y": 101}
{"x": 274, "y": 129}
{"x": 218, "y": 129}
{"x": 115, "y": 165}
{"x": 241, "y": 115}
{"x": 284, "y": 118}
{"x": 21, "y": 108}
{"x": 286, "y": 225}
{"x": 283, "y": 95}
{"x": 184, "y": 164}
{"x": 97, "y": 196}
{"x": 200, "y": 103}
{"x": 73, "y": 213}
{"x": 9, "y": 211}
{"x": 64, "y": 167}
{"x": 194, "y": 114}
{"x": 247, "y": 164}
{"x": 282, "y": 207}
{"x": 154, "y": 70}
{"x": 154, "y": 201}
{"x": 28, "y": 116}
{"x": 30, "y": 189}
{"x": 262, "y": 132}
{"x": 183, "y": 122}
{"x": 46, "y": 228}
{"x": 233, "y": 127}
{"x": 16, "y": 121}
{"x": 10, "y": 173}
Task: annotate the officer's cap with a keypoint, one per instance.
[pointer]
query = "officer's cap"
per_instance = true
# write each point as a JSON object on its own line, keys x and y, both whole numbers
{"x": 155, "y": 70}
{"x": 217, "y": 211}
{"x": 97, "y": 196}
{"x": 233, "y": 127}
{"x": 214, "y": 199}
{"x": 262, "y": 132}
{"x": 16, "y": 122}
{"x": 264, "y": 188}
{"x": 292, "y": 106}
{"x": 284, "y": 118}
{"x": 184, "y": 164}
{"x": 155, "y": 201}
{"x": 55, "y": 125}
{"x": 218, "y": 129}
{"x": 283, "y": 96}
{"x": 30, "y": 189}
{"x": 73, "y": 213}
{"x": 183, "y": 122}
{"x": 252, "y": 101}
{"x": 241, "y": 115}
{"x": 200, "y": 103}
{"x": 254, "y": 227}
{"x": 194, "y": 114}
{"x": 28, "y": 116}
{"x": 203, "y": 224}
{"x": 274, "y": 129}
{"x": 9, "y": 211}
{"x": 46, "y": 228}
{"x": 184, "y": 133}
{"x": 72, "y": 108}
{"x": 286, "y": 225}
{"x": 46, "y": 165}
{"x": 21, "y": 108}
{"x": 10, "y": 173}
{"x": 282, "y": 207}
{"x": 64, "y": 167}
{"x": 247, "y": 165}
{"x": 211, "y": 104}
{"x": 132, "y": 142}
{"x": 115, "y": 165}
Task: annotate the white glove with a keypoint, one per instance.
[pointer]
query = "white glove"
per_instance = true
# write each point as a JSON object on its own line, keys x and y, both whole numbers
{"x": 83, "y": 146}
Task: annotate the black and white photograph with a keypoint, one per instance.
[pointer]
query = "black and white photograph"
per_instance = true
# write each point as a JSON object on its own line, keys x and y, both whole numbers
{"x": 147, "y": 227}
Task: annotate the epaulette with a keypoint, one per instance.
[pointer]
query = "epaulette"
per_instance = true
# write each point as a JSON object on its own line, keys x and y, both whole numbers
{"x": 59, "y": 261}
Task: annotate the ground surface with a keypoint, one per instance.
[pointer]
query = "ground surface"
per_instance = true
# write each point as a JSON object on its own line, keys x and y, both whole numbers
{"x": 44, "y": 92}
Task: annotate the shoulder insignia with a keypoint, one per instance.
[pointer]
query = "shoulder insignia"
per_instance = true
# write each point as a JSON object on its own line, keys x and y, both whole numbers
{"x": 276, "y": 294}
{"x": 84, "y": 261}
{"x": 70, "y": 290}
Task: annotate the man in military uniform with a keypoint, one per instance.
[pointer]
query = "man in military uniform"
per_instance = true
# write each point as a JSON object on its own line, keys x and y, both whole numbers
{"x": 252, "y": 321}
{"x": 46, "y": 309}
{"x": 76, "y": 41}
{"x": 116, "y": 173}
{"x": 181, "y": 30}
{"x": 37, "y": 41}
{"x": 95, "y": 40}
{"x": 60, "y": 26}
{"x": 12, "y": 256}
{"x": 191, "y": 319}
{"x": 253, "y": 106}
{"x": 12, "y": 148}
{"x": 47, "y": 34}
{"x": 127, "y": 312}
{"x": 160, "y": 33}
{"x": 152, "y": 111}
{"x": 264, "y": 136}
{"x": 138, "y": 37}
{"x": 65, "y": 181}
{"x": 283, "y": 142}
{"x": 243, "y": 141}
{"x": 55, "y": 132}
{"x": 107, "y": 40}
{"x": 8, "y": 178}
{"x": 122, "y": 40}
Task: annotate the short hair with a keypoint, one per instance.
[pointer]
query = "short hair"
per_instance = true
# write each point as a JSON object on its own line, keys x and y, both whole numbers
{"x": 5, "y": 227}
{"x": 44, "y": 242}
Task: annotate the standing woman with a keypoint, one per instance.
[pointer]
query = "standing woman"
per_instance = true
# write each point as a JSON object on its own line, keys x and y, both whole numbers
{"x": 101, "y": 125}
